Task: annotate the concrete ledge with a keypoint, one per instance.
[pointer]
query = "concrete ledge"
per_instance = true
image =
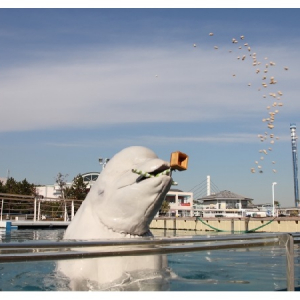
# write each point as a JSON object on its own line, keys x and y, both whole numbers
{"x": 243, "y": 224}
{"x": 40, "y": 224}
{"x": 280, "y": 224}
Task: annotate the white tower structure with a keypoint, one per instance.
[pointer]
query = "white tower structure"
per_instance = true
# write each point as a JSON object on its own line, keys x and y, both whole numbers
{"x": 295, "y": 162}
{"x": 208, "y": 185}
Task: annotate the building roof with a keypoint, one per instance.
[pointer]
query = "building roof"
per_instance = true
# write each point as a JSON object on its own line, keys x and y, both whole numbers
{"x": 224, "y": 195}
{"x": 175, "y": 190}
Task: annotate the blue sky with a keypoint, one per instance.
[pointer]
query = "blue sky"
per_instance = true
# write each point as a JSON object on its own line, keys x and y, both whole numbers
{"x": 77, "y": 84}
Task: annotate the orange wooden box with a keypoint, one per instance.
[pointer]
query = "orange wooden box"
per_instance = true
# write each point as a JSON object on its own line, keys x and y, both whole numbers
{"x": 179, "y": 161}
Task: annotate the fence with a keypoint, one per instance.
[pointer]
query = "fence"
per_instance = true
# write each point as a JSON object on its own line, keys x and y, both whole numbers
{"x": 60, "y": 250}
{"x": 26, "y": 207}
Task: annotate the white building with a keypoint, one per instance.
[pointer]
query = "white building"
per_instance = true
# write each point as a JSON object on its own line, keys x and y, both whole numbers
{"x": 181, "y": 203}
{"x": 3, "y": 180}
{"x": 54, "y": 191}
{"x": 222, "y": 204}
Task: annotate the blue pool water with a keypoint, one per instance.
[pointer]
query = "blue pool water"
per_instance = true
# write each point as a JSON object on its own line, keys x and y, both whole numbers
{"x": 252, "y": 269}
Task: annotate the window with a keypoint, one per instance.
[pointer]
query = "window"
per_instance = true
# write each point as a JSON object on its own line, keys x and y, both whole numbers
{"x": 94, "y": 177}
{"x": 87, "y": 178}
{"x": 170, "y": 198}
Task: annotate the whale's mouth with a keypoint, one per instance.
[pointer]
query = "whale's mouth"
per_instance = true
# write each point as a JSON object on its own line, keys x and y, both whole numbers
{"x": 162, "y": 170}
{"x": 123, "y": 234}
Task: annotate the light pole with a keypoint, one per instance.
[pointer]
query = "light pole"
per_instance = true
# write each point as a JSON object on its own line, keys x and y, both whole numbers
{"x": 273, "y": 197}
{"x": 103, "y": 162}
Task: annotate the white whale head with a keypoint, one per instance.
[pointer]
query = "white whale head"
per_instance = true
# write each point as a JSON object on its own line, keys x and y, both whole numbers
{"x": 120, "y": 199}
{"x": 120, "y": 204}
{"x": 124, "y": 203}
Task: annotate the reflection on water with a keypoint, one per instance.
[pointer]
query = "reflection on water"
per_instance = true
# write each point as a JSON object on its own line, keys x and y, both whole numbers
{"x": 31, "y": 235}
{"x": 253, "y": 269}
{"x": 233, "y": 270}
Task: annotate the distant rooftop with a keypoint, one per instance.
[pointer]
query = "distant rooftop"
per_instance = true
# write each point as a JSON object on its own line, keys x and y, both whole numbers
{"x": 225, "y": 195}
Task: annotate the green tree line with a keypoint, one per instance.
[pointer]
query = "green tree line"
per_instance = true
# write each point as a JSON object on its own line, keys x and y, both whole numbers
{"x": 20, "y": 188}
{"x": 17, "y": 187}
{"x": 78, "y": 190}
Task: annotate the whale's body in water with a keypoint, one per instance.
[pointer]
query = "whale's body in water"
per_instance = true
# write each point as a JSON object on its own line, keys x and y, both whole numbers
{"x": 120, "y": 204}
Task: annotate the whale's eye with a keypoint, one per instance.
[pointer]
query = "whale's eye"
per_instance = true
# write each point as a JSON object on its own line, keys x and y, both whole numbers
{"x": 141, "y": 178}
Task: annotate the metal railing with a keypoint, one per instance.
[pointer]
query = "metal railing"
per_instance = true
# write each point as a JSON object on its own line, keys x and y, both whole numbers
{"x": 36, "y": 208}
{"x": 62, "y": 250}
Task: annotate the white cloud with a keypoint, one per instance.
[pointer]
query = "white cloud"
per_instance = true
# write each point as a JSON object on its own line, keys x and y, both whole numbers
{"x": 134, "y": 85}
{"x": 228, "y": 138}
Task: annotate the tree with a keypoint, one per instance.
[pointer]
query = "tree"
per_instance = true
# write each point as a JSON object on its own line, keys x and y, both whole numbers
{"x": 26, "y": 188}
{"x": 165, "y": 207}
{"x": 21, "y": 188}
{"x": 2, "y": 187}
{"x": 78, "y": 190}
{"x": 18, "y": 187}
{"x": 11, "y": 186}
{"x": 294, "y": 213}
{"x": 61, "y": 181}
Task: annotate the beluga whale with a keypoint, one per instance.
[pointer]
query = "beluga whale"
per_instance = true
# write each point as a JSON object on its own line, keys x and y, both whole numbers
{"x": 121, "y": 205}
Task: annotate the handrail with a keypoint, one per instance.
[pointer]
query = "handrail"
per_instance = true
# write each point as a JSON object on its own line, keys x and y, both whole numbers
{"x": 135, "y": 242}
{"x": 3, "y": 195}
{"x": 65, "y": 250}
{"x": 37, "y": 206}
{"x": 17, "y": 197}
{"x": 38, "y": 256}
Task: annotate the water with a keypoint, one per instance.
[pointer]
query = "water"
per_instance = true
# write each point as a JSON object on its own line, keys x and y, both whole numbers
{"x": 250, "y": 269}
